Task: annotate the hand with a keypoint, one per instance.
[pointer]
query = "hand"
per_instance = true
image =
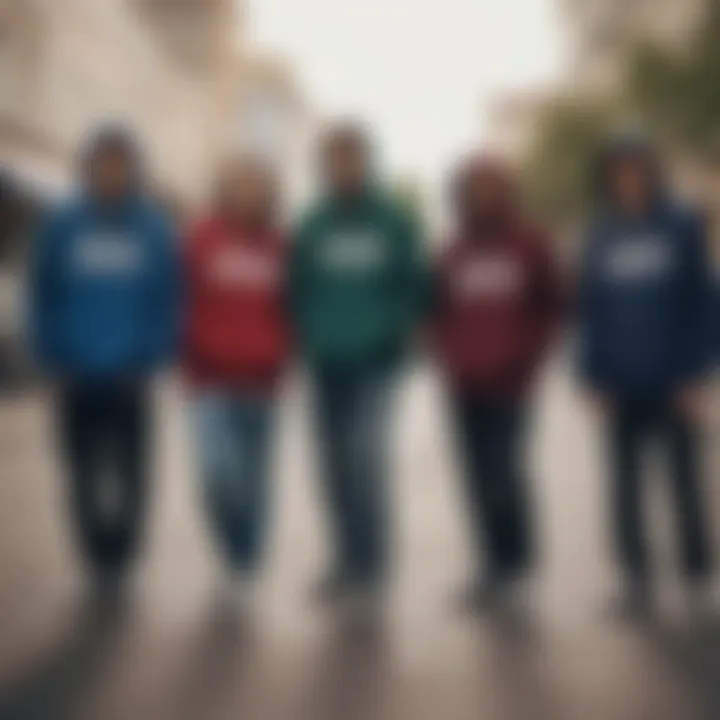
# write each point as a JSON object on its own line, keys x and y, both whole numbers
{"x": 691, "y": 402}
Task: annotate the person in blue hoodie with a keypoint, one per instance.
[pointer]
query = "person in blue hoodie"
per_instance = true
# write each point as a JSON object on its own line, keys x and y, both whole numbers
{"x": 104, "y": 318}
{"x": 645, "y": 347}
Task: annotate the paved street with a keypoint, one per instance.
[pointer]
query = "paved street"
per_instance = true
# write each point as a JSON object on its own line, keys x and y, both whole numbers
{"x": 173, "y": 649}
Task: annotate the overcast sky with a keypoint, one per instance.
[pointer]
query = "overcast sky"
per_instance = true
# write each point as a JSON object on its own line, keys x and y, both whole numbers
{"x": 421, "y": 71}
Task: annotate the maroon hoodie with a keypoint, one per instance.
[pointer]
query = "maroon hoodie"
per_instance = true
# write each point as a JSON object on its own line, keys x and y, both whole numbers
{"x": 499, "y": 294}
{"x": 236, "y": 329}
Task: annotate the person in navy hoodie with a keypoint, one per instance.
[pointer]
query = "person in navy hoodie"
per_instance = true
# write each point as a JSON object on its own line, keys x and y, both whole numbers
{"x": 645, "y": 345}
{"x": 104, "y": 295}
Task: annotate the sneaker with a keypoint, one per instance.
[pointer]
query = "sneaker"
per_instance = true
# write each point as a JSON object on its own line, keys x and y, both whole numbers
{"x": 485, "y": 594}
{"x": 332, "y": 588}
{"x": 701, "y": 600}
{"x": 363, "y": 600}
{"x": 634, "y": 602}
{"x": 238, "y": 589}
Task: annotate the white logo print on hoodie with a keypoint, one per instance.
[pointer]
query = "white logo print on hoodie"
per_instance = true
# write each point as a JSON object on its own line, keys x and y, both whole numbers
{"x": 108, "y": 253}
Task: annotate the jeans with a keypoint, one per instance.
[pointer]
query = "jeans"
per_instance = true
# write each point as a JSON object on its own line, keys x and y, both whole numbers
{"x": 633, "y": 422}
{"x": 103, "y": 434}
{"x": 492, "y": 444}
{"x": 233, "y": 433}
{"x": 353, "y": 423}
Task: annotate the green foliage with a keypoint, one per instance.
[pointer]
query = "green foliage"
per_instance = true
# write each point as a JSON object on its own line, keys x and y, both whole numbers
{"x": 557, "y": 172}
{"x": 678, "y": 96}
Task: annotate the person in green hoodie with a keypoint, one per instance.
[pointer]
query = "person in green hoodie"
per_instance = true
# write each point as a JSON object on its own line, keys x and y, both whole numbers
{"x": 356, "y": 288}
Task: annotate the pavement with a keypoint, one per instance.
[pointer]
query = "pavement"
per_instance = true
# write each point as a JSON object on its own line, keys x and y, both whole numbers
{"x": 176, "y": 647}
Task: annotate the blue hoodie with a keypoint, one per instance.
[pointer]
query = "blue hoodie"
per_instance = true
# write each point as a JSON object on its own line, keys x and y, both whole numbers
{"x": 645, "y": 300}
{"x": 104, "y": 291}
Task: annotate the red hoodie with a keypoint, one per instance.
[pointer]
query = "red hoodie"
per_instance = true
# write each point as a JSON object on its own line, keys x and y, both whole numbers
{"x": 499, "y": 299}
{"x": 236, "y": 330}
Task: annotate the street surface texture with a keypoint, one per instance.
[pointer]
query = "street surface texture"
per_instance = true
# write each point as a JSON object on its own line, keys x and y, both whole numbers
{"x": 177, "y": 648}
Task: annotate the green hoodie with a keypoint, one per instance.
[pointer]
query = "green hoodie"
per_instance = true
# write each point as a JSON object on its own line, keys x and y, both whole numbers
{"x": 356, "y": 282}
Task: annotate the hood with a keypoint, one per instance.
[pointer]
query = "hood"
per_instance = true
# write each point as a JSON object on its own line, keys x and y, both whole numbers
{"x": 111, "y": 137}
{"x": 624, "y": 146}
{"x": 352, "y": 133}
{"x": 497, "y": 175}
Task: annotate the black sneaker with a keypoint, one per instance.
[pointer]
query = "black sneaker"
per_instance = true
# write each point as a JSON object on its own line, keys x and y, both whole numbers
{"x": 634, "y": 602}
{"x": 332, "y": 588}
{"x": 488, "y": 593}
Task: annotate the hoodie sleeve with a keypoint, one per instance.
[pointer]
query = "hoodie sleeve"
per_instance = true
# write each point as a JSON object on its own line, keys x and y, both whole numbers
{"x": 413, "y": 281}
{"x": 548, "y": 296}
{"x": 165, "y": 305}
{"x": 713, "y": 323}
{"x": 697, "y": 336}
{"x": 297, "y": 272}
{"x": 44, "y": 288}
{"x": 587, "y": 308}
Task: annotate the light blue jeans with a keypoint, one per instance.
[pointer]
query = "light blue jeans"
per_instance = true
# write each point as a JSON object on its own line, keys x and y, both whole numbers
{"x": 233, "y": 438}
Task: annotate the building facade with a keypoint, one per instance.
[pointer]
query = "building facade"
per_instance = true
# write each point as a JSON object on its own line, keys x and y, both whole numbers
{"x": 269, "y": 117}
{"x": 65, "y": 65}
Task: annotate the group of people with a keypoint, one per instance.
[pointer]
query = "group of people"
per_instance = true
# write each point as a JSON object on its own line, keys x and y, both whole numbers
{"x": 118, "y": 293}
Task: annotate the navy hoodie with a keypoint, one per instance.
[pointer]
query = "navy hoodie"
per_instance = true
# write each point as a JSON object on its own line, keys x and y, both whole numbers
{"x": 104, "y": 291}
{"x": 645, "y": 300}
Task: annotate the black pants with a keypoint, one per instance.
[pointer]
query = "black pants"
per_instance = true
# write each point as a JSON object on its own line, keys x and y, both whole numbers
{"x": 634, "y": 422}
{"x": 103, "y": 433}
{"x": 491, "y": 436}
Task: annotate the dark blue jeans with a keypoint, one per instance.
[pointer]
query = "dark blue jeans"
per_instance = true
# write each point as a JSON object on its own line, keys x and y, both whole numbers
{"x": 233, "y": 434}
{"x": 633, "y": 422}
{"x": 353, "y": 422}
{"x": 492, "y": 442}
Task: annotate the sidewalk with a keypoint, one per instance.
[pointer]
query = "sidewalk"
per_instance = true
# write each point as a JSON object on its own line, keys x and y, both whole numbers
{"x": 174, "y": 652}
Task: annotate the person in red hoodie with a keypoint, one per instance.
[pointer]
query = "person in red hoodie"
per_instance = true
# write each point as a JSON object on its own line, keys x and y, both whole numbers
{"x": 497, "y": 302}
{"x": 236, "y": 346}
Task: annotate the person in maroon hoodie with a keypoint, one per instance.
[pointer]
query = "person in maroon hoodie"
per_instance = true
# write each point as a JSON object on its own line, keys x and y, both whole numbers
{"x": 236, "y": 346}
{"x": 497, "y": 303}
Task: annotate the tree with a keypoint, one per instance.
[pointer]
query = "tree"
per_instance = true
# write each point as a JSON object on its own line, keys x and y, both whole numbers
{"x": 675, "y": 95}
{"x": 557, "y": 171}
{"x": 678, "y": 95}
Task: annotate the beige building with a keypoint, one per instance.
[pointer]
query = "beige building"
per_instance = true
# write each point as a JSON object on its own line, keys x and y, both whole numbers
{"x": 602, "y": 32}
{"x": 268, "y": 116}
{"x": 161, "y": 65}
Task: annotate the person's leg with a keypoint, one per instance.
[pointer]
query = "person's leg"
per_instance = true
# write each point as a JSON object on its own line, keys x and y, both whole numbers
{"x": 475, "y": 442}
{"x": 131, "y": 428}
{"x": 628, "y": 422}
{"x": 81, "y": 427}
{"x": 370, "y": 417}
{"x": 682, "y": 439}
{"x": 510, "y": 503}
{"x": 333, "y": 402}
{"x": 218, "y": 456}
{"x": 252, "y": 419}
